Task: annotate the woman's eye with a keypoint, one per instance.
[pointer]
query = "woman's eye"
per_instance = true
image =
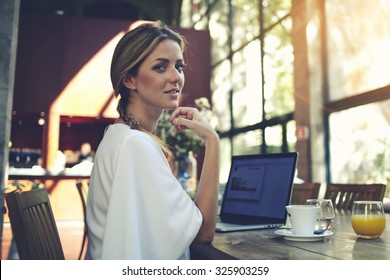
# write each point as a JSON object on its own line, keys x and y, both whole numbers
{"x": 180, "y": 67}
{"x": 159, "y": 68}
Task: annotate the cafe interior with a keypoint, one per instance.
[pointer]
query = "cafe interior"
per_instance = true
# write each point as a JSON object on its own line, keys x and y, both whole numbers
{"x": 305, "y": 76}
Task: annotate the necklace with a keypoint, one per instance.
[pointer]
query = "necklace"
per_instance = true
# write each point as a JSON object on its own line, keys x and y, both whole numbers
{"x": 131, "y": 121}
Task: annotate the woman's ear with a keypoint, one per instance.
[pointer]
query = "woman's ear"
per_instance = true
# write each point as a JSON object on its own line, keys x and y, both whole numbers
{"x": 129, "y": 82}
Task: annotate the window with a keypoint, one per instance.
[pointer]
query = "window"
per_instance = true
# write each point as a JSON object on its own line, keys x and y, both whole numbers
{"x": 359, "y": 91}
{"x": 360, "y": 145}
{"x": 252, "y": 73}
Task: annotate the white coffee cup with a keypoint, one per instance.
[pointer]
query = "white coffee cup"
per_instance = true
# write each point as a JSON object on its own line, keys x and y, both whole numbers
{"x": 303, "y": 218}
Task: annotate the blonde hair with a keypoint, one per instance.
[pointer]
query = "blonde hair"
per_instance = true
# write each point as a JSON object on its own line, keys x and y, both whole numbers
{"x": 130, "y": 52}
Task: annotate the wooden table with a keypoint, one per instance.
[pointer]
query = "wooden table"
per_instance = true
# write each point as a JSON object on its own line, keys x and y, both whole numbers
{"x": 266, "y": 245}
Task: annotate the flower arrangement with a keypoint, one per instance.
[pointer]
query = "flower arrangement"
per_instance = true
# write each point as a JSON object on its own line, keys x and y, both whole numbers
{"x": 182, "y": 142}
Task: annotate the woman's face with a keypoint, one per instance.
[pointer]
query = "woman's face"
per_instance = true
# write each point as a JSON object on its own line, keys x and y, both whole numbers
{"x": 160, "y": 78}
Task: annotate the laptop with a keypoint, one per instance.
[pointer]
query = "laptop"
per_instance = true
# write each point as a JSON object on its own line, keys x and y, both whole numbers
{"x": 258, "y": 189}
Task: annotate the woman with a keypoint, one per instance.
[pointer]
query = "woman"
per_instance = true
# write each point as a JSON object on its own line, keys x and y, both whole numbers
{"x": 136, "y": 208}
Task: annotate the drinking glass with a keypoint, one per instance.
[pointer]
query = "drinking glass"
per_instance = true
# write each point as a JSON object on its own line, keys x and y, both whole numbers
{"x": 325, "y": 217}
{"x": 368, "y": 219}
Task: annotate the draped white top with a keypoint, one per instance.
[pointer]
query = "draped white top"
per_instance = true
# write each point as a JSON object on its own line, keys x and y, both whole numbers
{"x": 136, "y": 208}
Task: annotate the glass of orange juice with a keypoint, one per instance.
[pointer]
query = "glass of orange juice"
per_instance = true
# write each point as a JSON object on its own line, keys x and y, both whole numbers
{"x": 368, "y": 219}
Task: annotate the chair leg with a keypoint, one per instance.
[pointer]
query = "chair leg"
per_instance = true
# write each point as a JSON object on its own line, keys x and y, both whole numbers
{"x": 79, "y": 186}
{"x": 83, "y": 245}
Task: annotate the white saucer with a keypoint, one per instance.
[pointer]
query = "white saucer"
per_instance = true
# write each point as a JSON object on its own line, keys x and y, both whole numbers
{"x": 288, "y": 235}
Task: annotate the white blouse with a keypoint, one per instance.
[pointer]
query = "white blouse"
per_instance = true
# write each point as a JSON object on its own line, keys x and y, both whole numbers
{"x": 136, "y": 208}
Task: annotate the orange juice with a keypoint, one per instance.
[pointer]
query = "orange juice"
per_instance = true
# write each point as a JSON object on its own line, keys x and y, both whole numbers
{"x": 368, "y": 226}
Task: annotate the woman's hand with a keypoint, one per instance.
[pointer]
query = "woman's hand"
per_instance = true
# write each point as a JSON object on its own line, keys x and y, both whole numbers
{"x": 206, "y": 198}
{"x": 190, "y": 118}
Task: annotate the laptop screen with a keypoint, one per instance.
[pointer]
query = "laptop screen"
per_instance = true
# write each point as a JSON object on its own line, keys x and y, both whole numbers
{"x": 259, "y": 188}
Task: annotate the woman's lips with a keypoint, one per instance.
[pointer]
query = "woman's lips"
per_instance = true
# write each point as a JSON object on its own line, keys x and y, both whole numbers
{"x": 172, "y": 91}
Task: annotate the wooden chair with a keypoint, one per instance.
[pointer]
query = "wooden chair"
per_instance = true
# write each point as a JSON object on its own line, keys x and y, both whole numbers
{"x": 82, "y": 194}
{"x": 343, "y": 195}
{"x": 33, "y": 225}
{"x": 301, "y": 192}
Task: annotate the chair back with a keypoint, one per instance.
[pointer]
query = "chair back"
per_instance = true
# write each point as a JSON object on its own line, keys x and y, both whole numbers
{"x": 343, "y": 195}
{"x": 306, "y": 190}
{"x": 33, "y": 225}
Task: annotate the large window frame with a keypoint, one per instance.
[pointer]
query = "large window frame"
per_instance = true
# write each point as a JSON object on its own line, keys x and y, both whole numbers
{"x": 313, "y": 167}
{"x": 346, "y": 103}
{"x": 283, "y": 121}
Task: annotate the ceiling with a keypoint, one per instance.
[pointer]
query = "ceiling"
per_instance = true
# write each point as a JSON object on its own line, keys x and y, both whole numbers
{"x": 167, "y": 11}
